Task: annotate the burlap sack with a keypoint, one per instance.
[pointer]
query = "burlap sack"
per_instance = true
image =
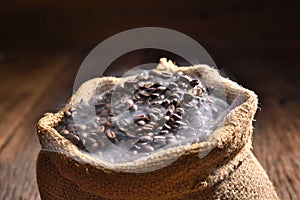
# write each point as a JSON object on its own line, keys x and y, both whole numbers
{"x": 223, "y": 167}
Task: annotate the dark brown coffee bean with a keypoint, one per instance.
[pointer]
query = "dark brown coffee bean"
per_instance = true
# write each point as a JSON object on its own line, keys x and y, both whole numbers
{"x": 141, "y": 123}
{"x": 153, "y": 117}
{"x": 165, "y": 75}
{"x": 171, "y": 140}
{"x": 171, "y": 108}
{"x": 110, "y": 134}
{"x": 159, "y": 137}
{"x": 90, "y": 140}
{"x": 101, "y": 128}
{"x": 188, "y": 97}
{"x": 130, "y": 135}
{"x": 75, "y": 139}
{"x": 154, "y": 73}
{"x": 166, "y": 126}
{"x": 183, "y": 79}
{"x": 150, "y": 126}
{"x": 167, "y": 118}
{"x": 147, "y": 129}
{"x": 181, "y": 123}
{"x": 165, "y": 103}
{"x": 129, "y": 84}
{"x": 194, "y": 82}
{"x": 82, "y": 127}
{"x": 84, "y": 135}
{"x": 176, "y": 103}
{"x": 64, "y": 132}
{"x": 154, "y": 95}
{"x": 176, "y": 116}
{"x": 161, "y": 142}
{"x": 147, "y": 85}
{"x": 67, "y": 114}
{"x": 104, "y": 122}
{"x": 145, "y": 139}
{"x": 168, "y": 93}
{"x": 160, "y": 89}
{"x": 163, "y": 132}
{"x": 71, "y": 127}
{"x": 179, "y": 110}
{"x": 156, "y": 84}
{"x": 150, "y": 134}
{"x": 172, "y": 86}
{"x": 133, "y": 107}
{"x": 144, "y": 93}
{"x": 93, "y": 147}
{"x": 147, "y": 148}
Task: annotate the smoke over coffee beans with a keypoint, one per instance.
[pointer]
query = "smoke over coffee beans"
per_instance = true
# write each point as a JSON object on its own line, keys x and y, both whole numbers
{"x": 147, "y": 112}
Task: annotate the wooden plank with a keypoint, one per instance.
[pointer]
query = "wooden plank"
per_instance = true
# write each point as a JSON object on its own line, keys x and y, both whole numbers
{"x": 30, "y": 87}
{"x": 18, "y": 157}
{"x": 276, "y": 145}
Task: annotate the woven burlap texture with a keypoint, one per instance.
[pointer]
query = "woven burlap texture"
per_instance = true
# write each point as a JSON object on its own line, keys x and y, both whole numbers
{"x": 226, "y": 168}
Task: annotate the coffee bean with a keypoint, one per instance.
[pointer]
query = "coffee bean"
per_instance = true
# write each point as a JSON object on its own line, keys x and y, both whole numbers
{"x": 144, "y": 93}
{"x": 156, "y": 84}
{"x": 171, "y": 107}
{"x": 147, "y": 148}
{"x": 82, "y": 127}
{"x": 194, "y": 82}
{"x": 165, "y": 103}
{"x": 163, "y": 132}
{"x": 130, "y": 135}
{"x": 67, "y": 113}
{"x": 75, "y": 139}
{"x": 171, "y": 140}
{"x": 133, "y": 107}
{"x": 110, "y": 134}
{"x": 179, "y": 110}
{"x": 147, "y": 129}
{"x": 176, "y": 103}
{"x": 71, "y": 128}
{"x": 64, "y": 132}
{"x": 188, "y": 97}
{"x": 101, "y": 128}
{"x": 159, "y": 137}
{"x": 150, "y": 134}
{"x": 165, "y": 75}
{"x": 72, "y": 109}
{"x": 93, "y": 147}
{"x": 141, "y": 123}
{"x": 172, "y": 86}
{"x": 176, "y": 116}
{"x": 153, "y": 117}
{"x": 166, "y": 126}
{"x": 181, "y": 123}
{"x": 84, "y": 135}
{"x": 150, "y": 126}
{"x": 160, "y": 89}
{"x": 184, "y": 79}
{"x": 145, "y": 139}
{"x": 90, "y": 140}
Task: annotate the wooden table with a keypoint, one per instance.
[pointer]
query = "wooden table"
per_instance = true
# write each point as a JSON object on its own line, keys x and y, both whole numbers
{"x": 35, "y": 82}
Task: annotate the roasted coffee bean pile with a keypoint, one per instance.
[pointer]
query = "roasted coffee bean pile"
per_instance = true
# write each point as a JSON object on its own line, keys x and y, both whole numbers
{"x": 151, "y": 111}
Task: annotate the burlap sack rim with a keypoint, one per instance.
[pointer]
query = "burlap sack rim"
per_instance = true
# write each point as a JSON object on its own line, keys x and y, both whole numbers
{"x": 218, "y": 139}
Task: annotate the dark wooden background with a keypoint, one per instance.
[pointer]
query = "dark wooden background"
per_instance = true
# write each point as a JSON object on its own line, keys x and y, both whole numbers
{"x": 42, "y": 44}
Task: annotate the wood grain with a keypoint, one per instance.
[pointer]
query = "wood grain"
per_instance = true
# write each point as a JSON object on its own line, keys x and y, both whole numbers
{"x": 18, "y": 137}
